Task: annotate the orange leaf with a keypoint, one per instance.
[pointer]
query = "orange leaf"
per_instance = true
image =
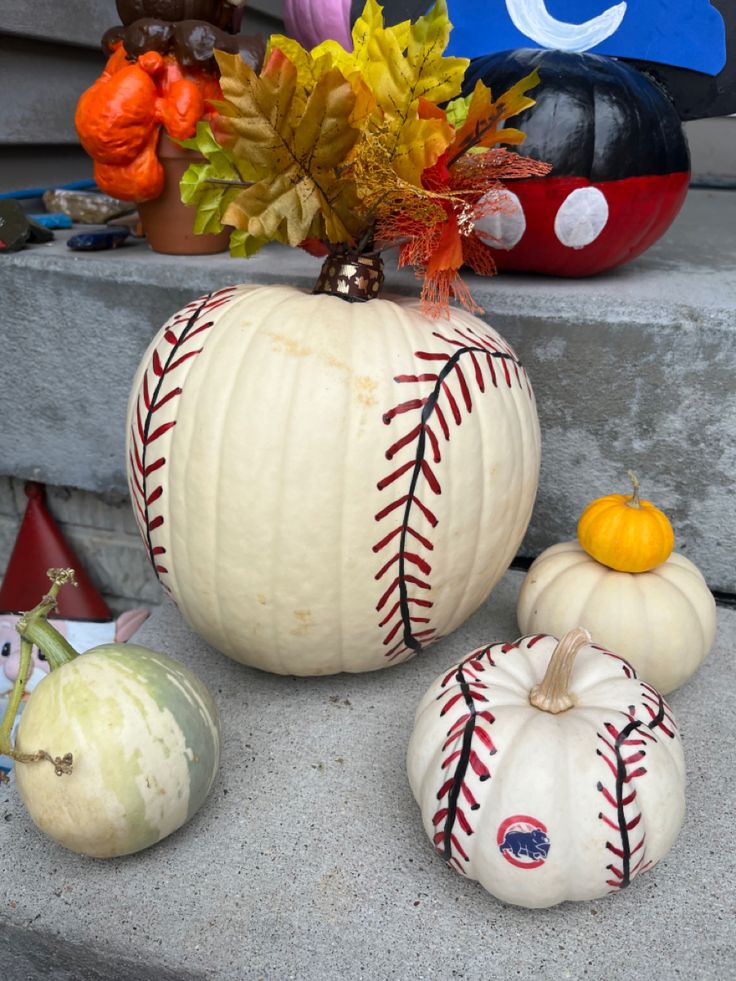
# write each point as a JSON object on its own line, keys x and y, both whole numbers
{"x": 483, "y": 126}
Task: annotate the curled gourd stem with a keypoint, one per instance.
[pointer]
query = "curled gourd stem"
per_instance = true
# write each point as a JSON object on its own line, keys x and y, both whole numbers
{"x": 61, "y": 764}
{"x": 634, "y": 501}
{"x": 552, "y": 694}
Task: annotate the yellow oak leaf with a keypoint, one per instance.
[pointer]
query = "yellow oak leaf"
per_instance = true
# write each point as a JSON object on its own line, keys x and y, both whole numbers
{"x": 422, "y": 143}
{"x": 401, "y": 78}
{"x": 295, "y": 146}
{"x": 366, "y": 28}
{"x": 483, "y": 126}
{"x": 391, "y": 69}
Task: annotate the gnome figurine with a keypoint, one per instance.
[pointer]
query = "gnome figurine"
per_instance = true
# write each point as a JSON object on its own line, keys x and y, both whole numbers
{"x": 82, "y": 615}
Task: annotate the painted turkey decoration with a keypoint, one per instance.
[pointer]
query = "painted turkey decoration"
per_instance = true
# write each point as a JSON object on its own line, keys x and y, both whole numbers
{"x": 617, "y": 82}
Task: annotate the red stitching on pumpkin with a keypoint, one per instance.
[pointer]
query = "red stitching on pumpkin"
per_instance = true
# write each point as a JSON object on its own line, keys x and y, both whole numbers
{"x": 627, "y": 668}
{"x": 442, "y": 405}
{"x": 623, "y": 751}
{"x": 468, "y": 731}
{"x": 146, "y": 430}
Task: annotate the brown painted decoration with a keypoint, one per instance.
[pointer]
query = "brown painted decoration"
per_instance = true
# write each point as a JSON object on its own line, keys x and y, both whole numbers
{"x": 355, "y": 278}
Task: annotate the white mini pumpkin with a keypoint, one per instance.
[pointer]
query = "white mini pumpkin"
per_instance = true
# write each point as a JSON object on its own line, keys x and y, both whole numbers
{"x": 547, "y": 778}
{"x": 662, "y": 621}
{"x": 328, "y": 486}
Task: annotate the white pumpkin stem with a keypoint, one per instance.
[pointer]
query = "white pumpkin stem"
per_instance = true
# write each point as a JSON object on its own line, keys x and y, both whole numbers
{"x": 553, "y": 695}
{"x": 634, "y": 501}
{"x": 353, "y": 276}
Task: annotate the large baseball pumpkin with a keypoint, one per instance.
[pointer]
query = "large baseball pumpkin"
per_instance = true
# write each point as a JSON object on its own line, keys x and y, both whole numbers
{"x": 332, "y": 481}
{"x": 329, "y": 486}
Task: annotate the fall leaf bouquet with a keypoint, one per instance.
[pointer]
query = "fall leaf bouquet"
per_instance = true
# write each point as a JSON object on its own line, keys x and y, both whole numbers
{"x": 356, "y": 152}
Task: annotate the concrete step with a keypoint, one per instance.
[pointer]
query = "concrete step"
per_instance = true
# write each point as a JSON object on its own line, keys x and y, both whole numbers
{"x": 632, "y": 369}
{"x": 309, "y": 860}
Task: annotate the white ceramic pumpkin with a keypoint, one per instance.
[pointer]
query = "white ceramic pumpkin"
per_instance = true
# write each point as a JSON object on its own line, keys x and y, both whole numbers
{"x": 144, "y": 737}
{"x": 547, "y": 778}
{"x": 662, "y": 621}
{"x": 328, "y": 486}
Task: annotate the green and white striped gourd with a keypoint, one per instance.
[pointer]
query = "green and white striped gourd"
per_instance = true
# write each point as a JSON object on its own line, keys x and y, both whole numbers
{"x": 144, "y": 734}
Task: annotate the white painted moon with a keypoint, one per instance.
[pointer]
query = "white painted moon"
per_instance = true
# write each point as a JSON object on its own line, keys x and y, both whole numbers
{"x": 581, "y": 217}
{"x": 532, "y": 18}
{"x": 503, "y": 228}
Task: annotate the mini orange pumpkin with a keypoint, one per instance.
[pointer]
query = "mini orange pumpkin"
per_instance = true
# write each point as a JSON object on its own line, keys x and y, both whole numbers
{"x": 625, "y": 533}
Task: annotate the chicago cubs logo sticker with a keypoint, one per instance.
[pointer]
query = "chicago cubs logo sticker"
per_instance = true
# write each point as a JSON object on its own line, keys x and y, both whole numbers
{"x": 523, "y": 841}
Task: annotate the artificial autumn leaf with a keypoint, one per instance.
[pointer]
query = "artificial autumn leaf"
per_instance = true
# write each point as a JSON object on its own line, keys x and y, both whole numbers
{"x": 294, "y": 146}
{"x": 243, "y": 245}
{"x": 457, "y": 110}
{"x": 200, "y": 185}
{"x": 400, "y": 79}
{"x": 483, "y": 126}
{"x": 423, "y": 141}
{"x": 391, "y": 70}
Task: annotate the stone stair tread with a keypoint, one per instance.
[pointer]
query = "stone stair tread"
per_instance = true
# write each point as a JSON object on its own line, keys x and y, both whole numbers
{"x": 309, "y": 859}
{"x": 632, "y": 369}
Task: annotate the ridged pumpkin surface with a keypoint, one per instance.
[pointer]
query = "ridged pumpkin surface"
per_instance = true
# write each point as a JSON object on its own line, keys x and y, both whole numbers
{"x": 326, "y": 486}
{"x": 541, "y": 808}
{"x": 662, "y": 621}
{"x": 626, "y": 537}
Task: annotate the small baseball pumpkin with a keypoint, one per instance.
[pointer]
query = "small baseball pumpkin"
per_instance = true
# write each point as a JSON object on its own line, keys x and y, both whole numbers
{"x": 625, "y": 533}
{"x": 547, "y": 771}
{"x": 327, "y": 486}
{"x": 662, "y": 621}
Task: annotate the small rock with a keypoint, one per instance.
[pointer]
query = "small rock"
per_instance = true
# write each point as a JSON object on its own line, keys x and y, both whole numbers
{"x": 14, "y": 227}
{"x": 131, "y": 222}
{"x": 86, "y": 207}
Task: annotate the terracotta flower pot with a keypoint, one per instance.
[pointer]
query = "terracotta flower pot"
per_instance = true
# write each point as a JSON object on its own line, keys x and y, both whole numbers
{"x": 168, "y": 222}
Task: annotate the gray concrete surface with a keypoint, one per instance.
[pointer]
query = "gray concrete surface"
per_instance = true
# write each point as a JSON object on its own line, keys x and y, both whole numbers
{"x": 309, "y": 861}
{"x": 631, "y": 369}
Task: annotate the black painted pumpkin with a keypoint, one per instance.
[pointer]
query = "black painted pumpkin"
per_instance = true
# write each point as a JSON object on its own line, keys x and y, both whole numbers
{"x": 620, "y": 160}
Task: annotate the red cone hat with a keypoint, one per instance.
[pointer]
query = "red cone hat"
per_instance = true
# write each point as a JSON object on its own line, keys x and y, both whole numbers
{"x": 39, "y": 546}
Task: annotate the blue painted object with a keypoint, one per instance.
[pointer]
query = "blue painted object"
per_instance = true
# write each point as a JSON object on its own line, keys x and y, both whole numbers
{"x": 682, "y": 33}
{"x": 111, "y": 238}
{"x": 38, "y": 192}
{"x": 53, "y": 220}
